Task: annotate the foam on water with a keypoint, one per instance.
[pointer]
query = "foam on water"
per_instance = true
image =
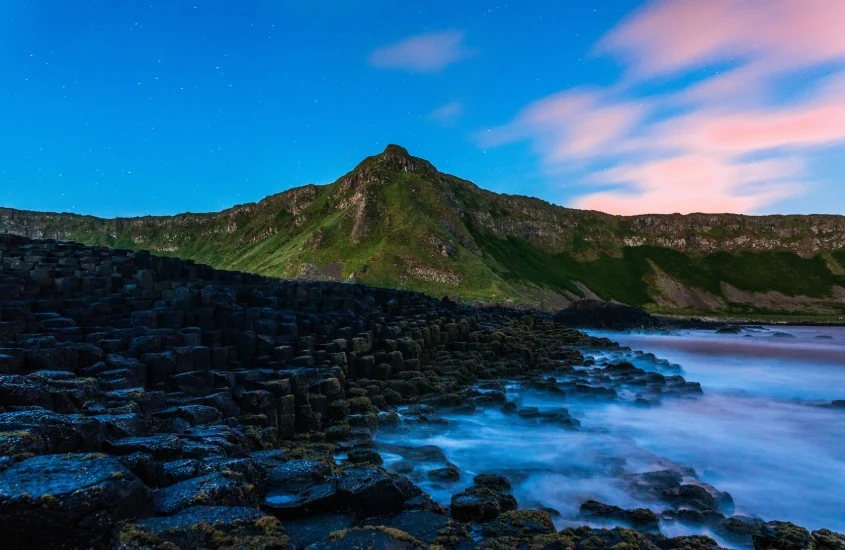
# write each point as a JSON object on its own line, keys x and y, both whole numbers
{"x": 759, "y": 431}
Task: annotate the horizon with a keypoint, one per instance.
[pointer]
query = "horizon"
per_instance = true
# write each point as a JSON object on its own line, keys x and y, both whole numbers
{"x": 199, "y": 213}
{"x": 649, "y": 107}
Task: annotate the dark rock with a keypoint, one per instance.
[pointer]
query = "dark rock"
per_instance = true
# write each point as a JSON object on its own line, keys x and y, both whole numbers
{"x": 208, "y": 490}
{"x": 779, "y": 535}
{"x": 599, "y": 314}
{"x": 372, "y": 491}
{"x": 520, "y": 523}
{"x": 640, "y": 518}
{"x": 294, "y": 501}
{"x": 364, "y": 457}
{"x": 493, "y": 481}
{"x": 370, "y": 538}
{"x": 692, "y": 496}
{"x": 303, "y": 532}
{"x": 205, "y": 527}
{"x": 476, "y": 504}
{"x": 39, "y": 431}
{"x": 450, "y": 474}
{"x": 68, "y": 501}
{"x": 423, "y": 526}
{"x": 161, "y": 447}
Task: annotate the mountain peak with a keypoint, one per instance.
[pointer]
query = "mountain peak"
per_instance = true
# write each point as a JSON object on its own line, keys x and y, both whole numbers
{"x": 394, "y": 150}
{"x": 396, "y": 158}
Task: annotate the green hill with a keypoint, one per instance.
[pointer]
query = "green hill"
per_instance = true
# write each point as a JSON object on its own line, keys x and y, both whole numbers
{"x": 396, "y": 221}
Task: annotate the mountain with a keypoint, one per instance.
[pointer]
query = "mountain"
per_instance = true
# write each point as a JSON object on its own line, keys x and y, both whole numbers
{"x": 396, "y": 221}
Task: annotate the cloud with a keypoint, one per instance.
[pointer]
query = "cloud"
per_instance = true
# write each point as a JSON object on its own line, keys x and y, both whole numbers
{"x": 675, "y": 35}
{"x": 447, "y": 113}
{"x": 693, "y": 183}
{"x": 430, "y": 52}
{"x": 569, "y": 124}
{"x": 693, "y": 148}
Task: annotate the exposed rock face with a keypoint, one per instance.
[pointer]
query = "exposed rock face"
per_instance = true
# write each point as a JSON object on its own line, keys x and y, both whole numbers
{"x": 396, "y": 221}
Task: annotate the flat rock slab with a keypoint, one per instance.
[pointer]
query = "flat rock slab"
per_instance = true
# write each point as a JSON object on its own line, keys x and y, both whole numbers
{"x": 212, "y": 489}
{"x": 369, "y": 538}
{"x": 205, "y": 527}
{"x": 303, "y": 532}
{"x": 421, "y": 525}
{"x": 68, "y": 501}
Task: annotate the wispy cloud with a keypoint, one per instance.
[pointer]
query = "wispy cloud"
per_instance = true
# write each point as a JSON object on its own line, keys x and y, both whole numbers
{"x": 704, "y": 156}
{"x": 447, "y": 113}
{"x": 580, "y": 123}
{"x": 430, "y": 52}
{"x": 673, "y": 35}
{"x": 693, "y": 183}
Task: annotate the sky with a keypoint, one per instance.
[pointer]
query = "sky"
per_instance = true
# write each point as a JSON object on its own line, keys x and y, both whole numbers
{"x": 165, "y": 106}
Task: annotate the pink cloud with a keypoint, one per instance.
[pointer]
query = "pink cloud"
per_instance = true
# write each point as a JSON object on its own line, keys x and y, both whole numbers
{"x": 430, "y": 52}
{"x": 694, "y": 183}
{"x": 673, "y": 35}
{"x": 569, "y": 124}
{"x": 818, "y": 121}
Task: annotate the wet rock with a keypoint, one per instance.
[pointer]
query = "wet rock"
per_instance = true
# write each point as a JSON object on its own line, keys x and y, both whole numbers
{"x": 17, "y": 391}
{"x": 208, "y": 490}
{"x": 640, "y": 518}
{"x": 371, "y": 538}
{"x": 691, "y": 496}
{"x": 599, "y": 314}
{"x": 653, "y": 485}
{"x": 495, "y": 482}
{"x": 364, "y": 457}
{"x": 303, "y": 532}
{"x": 161, "y": 447}
{"x": 68, "y": 501}
{"x": 780, "y": 535}
{"x": 39, "y": 431}
{"x": 480, "y": 504}
{"x": 520, "y": 524}
{"x": 424, "y": 526}
{"x": 825, "y": 539}
{"x": 205, "y": 527}
{"x": 450, "y": 474}
{"x": 298, "y": 471}
{"x": 739, "y": 529}
{"x": 295, "y": 501}
{"x": 373, "y": 491}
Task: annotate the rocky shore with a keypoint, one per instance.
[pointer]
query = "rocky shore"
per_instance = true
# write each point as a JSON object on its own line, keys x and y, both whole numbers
{"x": 151, "y": 402}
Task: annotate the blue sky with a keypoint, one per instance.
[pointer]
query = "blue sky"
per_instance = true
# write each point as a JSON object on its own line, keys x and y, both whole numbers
{"x": 158, "y": 107}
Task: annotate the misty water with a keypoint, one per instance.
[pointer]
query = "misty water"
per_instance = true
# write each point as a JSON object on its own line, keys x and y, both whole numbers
{"x": 763, "y": 430}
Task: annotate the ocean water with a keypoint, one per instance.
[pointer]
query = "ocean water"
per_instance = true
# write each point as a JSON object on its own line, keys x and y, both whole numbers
{"x": 760, "y": 431}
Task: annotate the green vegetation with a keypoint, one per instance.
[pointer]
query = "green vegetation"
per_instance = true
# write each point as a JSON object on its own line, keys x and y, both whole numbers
{"x": 396, "y": 221}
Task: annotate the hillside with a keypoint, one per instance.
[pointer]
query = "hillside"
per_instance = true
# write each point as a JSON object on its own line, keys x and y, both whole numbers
{"x": 396, "y": 221}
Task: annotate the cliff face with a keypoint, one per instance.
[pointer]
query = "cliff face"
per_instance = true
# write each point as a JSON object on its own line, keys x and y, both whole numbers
{"x": 395, "y": 220}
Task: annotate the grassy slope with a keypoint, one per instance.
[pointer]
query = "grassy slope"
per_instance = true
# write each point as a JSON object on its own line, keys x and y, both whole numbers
{"x": 408, "y": 213}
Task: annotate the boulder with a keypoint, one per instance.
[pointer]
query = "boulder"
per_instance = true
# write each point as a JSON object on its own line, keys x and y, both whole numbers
{"x": 590, "y": 313}
{"x": 68, "y": 501}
